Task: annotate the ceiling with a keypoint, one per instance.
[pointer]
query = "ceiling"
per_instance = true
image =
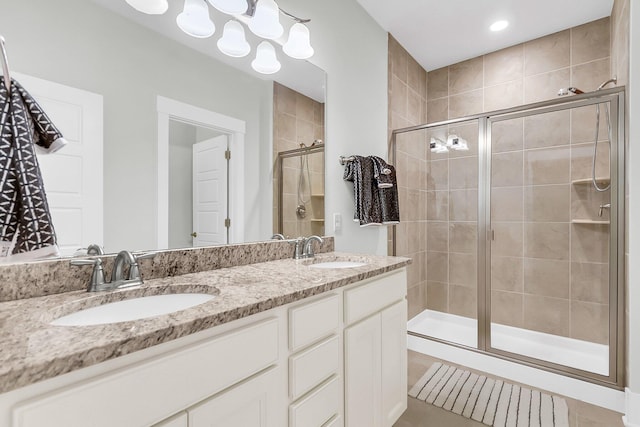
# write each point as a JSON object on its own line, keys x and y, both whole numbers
{"x": 443, "y": 32}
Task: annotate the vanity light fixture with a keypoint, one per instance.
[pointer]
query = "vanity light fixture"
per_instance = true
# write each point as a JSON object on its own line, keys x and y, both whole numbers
{"x": 261, "y": 16}
{"x": 499, "y": 25}
{"x": 233, "y": 42}
{"x": 150, "y": 7}
{"x": 266, "y": 61}
{"x": 194, "y": 19}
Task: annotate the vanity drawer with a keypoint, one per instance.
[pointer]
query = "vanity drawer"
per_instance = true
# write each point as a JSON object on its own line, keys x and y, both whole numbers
{"x": 374, "y": 295}
{"x": 313, "y": 321}
{"x": 317, "y": 408}
{"x": 310, "y": 367}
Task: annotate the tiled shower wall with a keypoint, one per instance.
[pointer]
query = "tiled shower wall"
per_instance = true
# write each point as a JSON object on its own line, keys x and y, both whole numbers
{"x": 407, "y": 107}
{"x": 574, "y": 302}
{"x": 297, "y": 120}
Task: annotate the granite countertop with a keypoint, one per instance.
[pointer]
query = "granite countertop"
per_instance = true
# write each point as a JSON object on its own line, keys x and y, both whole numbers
{"x": 33, "y": 350}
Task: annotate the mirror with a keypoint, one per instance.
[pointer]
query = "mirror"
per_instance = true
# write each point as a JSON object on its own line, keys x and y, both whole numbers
{"x": 139, "y": 73}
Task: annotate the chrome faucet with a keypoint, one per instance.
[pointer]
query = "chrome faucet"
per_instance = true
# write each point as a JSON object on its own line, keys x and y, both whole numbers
{"x": 603, "y": 207}
{"x": 97, "y": 282}
{"x": 277, "y": 236}
{"x": 304, "y": 248}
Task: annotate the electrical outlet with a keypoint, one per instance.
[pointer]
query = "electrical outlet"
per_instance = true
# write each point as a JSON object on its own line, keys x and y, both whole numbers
{"x": 337, "y": 222}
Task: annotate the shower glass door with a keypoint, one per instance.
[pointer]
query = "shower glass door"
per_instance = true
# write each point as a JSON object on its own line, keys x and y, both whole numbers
{"x": 549, "y": 237}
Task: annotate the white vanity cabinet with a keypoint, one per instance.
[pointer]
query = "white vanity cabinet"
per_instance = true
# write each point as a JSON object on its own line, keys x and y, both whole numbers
{"x": 375, "y": 352}
{"x": 330, "y": 360}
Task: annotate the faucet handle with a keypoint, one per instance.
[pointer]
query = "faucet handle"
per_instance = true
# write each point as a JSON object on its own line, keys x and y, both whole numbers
{"x": 308, "y": 247}
{"x": 97, "y": 275}
{"x": 134, "y": 269}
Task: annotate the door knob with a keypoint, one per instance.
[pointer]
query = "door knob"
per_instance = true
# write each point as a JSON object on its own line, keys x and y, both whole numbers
{"x": 194, "y": 234}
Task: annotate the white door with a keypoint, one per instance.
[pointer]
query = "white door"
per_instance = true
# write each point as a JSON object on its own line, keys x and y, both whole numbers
{"x": 210, "y": 192}
{"x": 73, "y": 175}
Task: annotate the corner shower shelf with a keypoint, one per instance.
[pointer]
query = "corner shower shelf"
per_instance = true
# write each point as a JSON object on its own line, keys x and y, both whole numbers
{"x": 589, "y": 221}
{"x": 318, "y": 221}
{"x": 600, "y": 180}
{"x": 318, "y": 195}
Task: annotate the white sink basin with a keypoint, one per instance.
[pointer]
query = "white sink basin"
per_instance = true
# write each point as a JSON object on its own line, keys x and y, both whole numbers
{"x": 337, "y": 264}
{"x": 132, "y": 309}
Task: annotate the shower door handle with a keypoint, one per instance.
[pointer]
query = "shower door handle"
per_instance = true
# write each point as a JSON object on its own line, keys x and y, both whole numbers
{"x": 491, "y": 235}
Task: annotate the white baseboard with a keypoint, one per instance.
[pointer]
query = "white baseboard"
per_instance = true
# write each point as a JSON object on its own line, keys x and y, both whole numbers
{"x": 632, "y": 403}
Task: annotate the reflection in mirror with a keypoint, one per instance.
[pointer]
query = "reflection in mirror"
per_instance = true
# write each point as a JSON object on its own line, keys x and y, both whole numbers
{"x": 106, "y": 51}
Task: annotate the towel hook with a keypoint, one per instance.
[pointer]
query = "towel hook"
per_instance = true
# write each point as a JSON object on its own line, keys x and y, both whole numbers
{"x": 5, "y": 65}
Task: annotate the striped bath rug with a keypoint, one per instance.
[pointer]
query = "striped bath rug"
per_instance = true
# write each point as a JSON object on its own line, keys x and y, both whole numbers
{"x": 491, "y": 402}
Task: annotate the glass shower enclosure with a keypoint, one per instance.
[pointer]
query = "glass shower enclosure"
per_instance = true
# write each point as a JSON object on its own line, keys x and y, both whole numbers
{"x": 520, "y": 225}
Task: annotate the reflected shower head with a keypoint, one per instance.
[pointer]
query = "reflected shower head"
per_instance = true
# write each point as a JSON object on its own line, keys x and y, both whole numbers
{"x": 567, "y": 90}
{"x": 613, "y": 80}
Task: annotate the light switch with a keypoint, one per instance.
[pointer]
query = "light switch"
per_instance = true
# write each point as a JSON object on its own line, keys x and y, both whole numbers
{"x": 337, "y": 222}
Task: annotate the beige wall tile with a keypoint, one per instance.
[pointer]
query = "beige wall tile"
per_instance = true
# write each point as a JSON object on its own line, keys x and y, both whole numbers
{"x": 463, "y": 205}
{"x": 415, "y": 106}
{"x": 463, "y": 173}
{"x": 583, "y": 125}
{"x": 508, "y": 239}
{"x": 590, "y": 41}
{"x": 305, "y": 108}
{"x": 507, "y": 308}
{"x": 466, "y": 104}
{"x": 463, "y": 237}
{"x": 437, "y": 205}
{"x": 466, "y": 76}
{"x": 398, "y": 96}
{"x": 286, "y": 127}
{"x": 285, "y": 99}
{"x": 582, "y": 160}
{"x": 590, "y": 282}
{"x": 546, "y": 130}
{"x": 401, "y": 238}
{"x": 416, "y": 77}
{"x": 504, "y": 65}
{"x": 507, "y": 169}
{"x": 413, "y": 271}
{"x": 463, "y": 301}
{"x": 506, "y": 273}
{"x": 413, "y": 234}
{"x": 591, "y": 75}
{"x": 548, "y": 240}
{"x": 586, "y": 202}
{"x": 437, "y": 267}
{"x": 590, "y": 322}
{"x": 507, "y": 135}
{"x": 542, "y": 87}
{"x": 547, "y": 53}
{"x": 438, "y": 175}
{"x": 547, "y": 203}
{"x": 504, "y": 95}
{"x": 438, "y": 83}
{"x": 437, "y": 236}
{"x": 589, "y": 243}
{"x": 547, "y": 166}
{"x": 398, "y": 59}
{"x": 546, "y": 277}
{"x": 414, "y": 301}
{"x": 463, "y": 269}
{"x": 506, "y": 204}
{"x": 305, "y": 132}
{"x": 437, "y": 110}
{"x": 437, "y": 296}
{"x": 546, "y": 314}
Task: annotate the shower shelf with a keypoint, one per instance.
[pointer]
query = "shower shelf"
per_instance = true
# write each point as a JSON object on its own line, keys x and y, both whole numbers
{"x": 318, "y": 220}
{"x": 589, "y": 221}
{"x": 318, "y": 195}
{"x": 600, "y": 180}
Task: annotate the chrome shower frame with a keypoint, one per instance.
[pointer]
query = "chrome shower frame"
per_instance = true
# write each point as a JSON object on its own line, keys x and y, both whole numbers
{"x": 615, "y": 97}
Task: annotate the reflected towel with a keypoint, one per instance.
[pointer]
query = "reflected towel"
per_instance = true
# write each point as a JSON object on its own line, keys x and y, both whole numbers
{"x": 26, "y": 228}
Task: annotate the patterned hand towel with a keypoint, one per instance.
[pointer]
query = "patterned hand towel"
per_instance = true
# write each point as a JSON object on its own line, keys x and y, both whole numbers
{"x": 381, "y": 172}
{"x": 26, "y": 228}
{"x": 387, "y": 191}
{"x": 366, "y": 198}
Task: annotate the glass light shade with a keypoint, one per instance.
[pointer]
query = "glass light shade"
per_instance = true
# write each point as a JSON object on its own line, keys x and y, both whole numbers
{"x": 233, "y": 41}
{"x": 230, "y": 7}
{"x": 298, "y": 46}
{"x": 266, "y": 61}
{"x": 194, "y": 19}
{"x": 150, "y": 7}
{"x": 265, "y": 22}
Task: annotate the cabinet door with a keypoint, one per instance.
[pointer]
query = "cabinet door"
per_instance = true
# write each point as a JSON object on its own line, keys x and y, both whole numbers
{"x": 250, "y": 404}
{"x": 177, "y": 421}
{"x": 394, "y": 362}
{"x": 362, "y": 373}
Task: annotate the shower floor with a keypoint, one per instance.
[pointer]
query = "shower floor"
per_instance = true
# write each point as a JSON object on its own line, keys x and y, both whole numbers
{"x": 565, "y": 351}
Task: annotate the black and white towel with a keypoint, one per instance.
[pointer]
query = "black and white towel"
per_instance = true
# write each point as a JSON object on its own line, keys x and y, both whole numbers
{"x": 385, "y": 176}
{"x": 26, "y": 228}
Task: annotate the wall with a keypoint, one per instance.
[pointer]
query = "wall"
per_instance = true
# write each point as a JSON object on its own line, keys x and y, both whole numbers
{"x": 352, "y": 48}
{"x": 298, "y": 119}
{"x": 130, "y": 76}
{"x": 407, "y": 107}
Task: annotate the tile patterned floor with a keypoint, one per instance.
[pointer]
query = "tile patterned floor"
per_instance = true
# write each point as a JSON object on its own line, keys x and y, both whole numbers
{"x": 420, "y": 414}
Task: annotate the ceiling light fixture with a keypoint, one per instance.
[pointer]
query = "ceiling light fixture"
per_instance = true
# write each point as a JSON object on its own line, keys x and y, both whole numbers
{"x": 499, "y": 25}
{"x": 261, "y": 16}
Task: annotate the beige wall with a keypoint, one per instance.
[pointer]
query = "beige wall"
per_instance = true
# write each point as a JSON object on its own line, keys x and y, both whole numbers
{"x": 407, "y": 107}
{"x": 298, "y": 120}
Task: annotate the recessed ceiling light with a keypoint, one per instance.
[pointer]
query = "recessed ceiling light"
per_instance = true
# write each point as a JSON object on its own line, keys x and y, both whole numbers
{"x": 499, "y": 25}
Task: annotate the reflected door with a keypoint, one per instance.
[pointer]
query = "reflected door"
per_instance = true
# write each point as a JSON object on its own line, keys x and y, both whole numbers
{"x": 210, "y": 192}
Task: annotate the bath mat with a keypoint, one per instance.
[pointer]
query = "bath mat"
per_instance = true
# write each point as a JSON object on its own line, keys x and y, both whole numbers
{"x": 491, "y": 402}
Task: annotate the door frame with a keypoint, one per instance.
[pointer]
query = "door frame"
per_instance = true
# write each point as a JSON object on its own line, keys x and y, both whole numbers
{"x": 170, "y": 109}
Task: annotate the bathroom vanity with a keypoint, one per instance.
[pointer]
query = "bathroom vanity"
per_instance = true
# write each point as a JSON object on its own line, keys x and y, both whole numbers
{"x": 282, "y": 344}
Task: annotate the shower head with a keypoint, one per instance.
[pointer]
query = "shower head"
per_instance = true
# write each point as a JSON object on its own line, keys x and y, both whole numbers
{"x": 567, "y": 90}
{"x": 613, "y": 80}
